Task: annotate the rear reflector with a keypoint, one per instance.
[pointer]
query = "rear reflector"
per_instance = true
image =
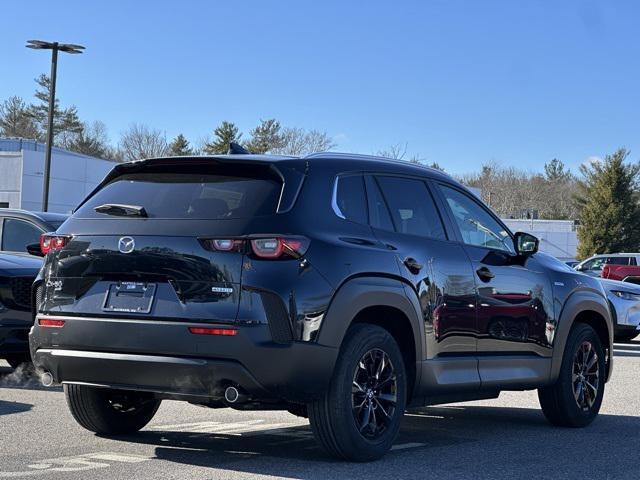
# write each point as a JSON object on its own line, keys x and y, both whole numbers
{"x": 225, "y": 332}
{"x": 50, "y": 322}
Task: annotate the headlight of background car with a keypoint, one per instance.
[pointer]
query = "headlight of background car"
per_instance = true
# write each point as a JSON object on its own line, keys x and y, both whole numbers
{"x": 626, "y": 295}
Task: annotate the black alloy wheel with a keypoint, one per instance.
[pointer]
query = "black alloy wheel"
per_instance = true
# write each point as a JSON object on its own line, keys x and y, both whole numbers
{"x": 374, "y": 394}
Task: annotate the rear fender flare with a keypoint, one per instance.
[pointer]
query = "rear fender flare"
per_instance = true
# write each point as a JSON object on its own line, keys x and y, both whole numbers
{"x": 359, "y": 293}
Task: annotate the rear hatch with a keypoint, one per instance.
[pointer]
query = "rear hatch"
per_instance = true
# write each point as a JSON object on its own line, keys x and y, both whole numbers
{"x": 155, "y": 241}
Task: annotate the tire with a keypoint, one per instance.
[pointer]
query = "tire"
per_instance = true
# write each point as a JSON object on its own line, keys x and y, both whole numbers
{"x": 559, "y": 404}
{"x": 625, "y": 335}
{"x": 110, "y": 412}
{"x": 15, "y": 360}
{"x": 333, "y": 417}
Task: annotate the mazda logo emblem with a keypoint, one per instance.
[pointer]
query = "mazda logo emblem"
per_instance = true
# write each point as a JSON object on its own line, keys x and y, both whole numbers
{"x": 126, "y": 245}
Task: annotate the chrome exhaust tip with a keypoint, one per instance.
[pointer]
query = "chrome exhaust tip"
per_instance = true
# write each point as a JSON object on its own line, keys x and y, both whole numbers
{"x": 47, "y": 379}
{"x": 231, "y": 394}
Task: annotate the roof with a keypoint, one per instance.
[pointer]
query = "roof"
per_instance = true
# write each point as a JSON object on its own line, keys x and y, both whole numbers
{"x": 42, "y": 216}
{"x": 348, "y": 160}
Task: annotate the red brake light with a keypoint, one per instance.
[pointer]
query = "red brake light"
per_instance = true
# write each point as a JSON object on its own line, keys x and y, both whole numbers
{"x": 50, "y": 322}
{"x": 272, "y": 248}
{"x": 225, "y": 332}
{"x": 51, "y": 241}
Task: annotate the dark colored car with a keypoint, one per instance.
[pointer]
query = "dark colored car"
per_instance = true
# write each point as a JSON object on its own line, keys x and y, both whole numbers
{"x": 20, "y": 229}
{"x": 346, "y": 288}
{"x": 17, "y": 273}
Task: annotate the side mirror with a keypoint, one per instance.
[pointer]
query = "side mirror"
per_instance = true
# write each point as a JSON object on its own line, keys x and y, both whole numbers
{"x": 526, "y": 244}
{"x": 34, "y": 249}
{"x": 579, "y": 268}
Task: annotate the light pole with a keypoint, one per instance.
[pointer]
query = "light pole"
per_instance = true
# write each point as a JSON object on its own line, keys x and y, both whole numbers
{"x": 54, "y": 47}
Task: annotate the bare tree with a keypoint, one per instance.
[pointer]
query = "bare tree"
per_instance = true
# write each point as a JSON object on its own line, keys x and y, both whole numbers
{"x": 298, "y": 141}
{"x": 140, "y": 141}
{"x": 397, "y": 151}
{"x": 515, "y": 193}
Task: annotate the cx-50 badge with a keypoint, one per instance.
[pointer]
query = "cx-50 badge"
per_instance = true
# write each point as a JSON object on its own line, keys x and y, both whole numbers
{"x": 126, "y": 245}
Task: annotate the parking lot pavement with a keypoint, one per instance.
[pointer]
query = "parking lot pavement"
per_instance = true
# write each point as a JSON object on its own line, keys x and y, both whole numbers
{"x": 502, "y": 438}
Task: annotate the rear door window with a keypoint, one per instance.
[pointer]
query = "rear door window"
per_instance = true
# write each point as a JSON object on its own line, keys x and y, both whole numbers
{"x": 617, "y": 261}
{"x": 412, "y": 208}
{"x": 206, "y": 196}
{"x": 17, "y": 234}
{"x": 379, "y": 216}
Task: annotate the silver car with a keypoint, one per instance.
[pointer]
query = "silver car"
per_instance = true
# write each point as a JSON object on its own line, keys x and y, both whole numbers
{"x": 625, "y": 300}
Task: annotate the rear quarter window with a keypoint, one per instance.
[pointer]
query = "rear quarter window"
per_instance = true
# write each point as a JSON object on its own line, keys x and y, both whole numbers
{"x": 350, "y": 198}
{"x": 206, "y": 196}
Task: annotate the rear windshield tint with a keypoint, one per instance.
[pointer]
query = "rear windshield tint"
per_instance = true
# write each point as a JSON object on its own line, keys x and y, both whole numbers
{"x": 202, "y": 196}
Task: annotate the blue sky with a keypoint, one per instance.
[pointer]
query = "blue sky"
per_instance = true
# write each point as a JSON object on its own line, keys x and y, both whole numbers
{"x": 462, "y": 83}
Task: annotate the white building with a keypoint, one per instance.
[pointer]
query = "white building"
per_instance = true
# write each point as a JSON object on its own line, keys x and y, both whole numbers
{"x": 73, "y": 175}
{"x": 557, "y": 237}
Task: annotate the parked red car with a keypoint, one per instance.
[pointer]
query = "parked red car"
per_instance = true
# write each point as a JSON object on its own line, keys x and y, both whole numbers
{"x": 625, "y": 273}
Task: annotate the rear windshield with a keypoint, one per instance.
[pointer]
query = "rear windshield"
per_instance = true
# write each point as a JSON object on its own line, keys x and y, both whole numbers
{"x": 203, "y": 196}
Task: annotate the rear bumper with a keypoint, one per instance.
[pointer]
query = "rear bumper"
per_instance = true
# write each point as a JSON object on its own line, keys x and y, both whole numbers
{"x": 164, "y": 357}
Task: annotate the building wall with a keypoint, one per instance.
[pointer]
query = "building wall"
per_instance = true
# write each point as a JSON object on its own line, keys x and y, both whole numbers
{"x": 10, "y": 178}
{"x": 557, "y": 237}
{"x": 73, "y": 176}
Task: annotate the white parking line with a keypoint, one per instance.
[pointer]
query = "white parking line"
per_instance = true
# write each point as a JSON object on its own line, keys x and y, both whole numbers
{"x": 404, "y": 446}
{"x": 89, "y": 461}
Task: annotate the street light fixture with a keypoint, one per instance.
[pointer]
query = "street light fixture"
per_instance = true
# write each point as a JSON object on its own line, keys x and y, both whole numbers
{"x": 54, "y": 47}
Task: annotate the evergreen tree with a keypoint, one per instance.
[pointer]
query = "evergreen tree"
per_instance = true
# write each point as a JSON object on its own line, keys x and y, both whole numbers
{"x": 555, "y": 171}
{"x": 90, "y": 140}
{"x": 266, "y": 137}
{"x": 65, "y": 121}
{"x": 16, "y": 121}
{"x": 180, "y": 147}
{"x": 224, "y": 134}
{"x": 609, "y": 212}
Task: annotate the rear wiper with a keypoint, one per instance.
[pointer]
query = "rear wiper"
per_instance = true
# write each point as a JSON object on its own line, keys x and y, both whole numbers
{"x": 121, "y": 210}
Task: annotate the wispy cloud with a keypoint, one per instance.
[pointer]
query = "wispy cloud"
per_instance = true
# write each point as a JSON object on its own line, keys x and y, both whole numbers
{"x": 591, "y": 160}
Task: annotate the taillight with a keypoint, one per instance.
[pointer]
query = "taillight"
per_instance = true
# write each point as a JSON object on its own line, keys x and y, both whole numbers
{"x": 279, "y": 247}
{"x": 223, "y": 244}
{"x": 50, "y": 242}
{"x": 269, "y": 248}
{"x": 50, "y": 322}
{"x": 224, "y": 332}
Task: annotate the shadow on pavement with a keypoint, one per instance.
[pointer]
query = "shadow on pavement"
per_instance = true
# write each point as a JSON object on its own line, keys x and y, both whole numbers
{"x": 436, "y": 442}
{"x": 7, "y": 408}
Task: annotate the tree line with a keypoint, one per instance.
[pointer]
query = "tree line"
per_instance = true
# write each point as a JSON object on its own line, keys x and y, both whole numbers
{"x": 18, "y": 118}
{"x": 603, "y": 197}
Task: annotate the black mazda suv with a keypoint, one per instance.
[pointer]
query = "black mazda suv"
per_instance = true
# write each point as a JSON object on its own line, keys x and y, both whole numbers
{"x": 344, "y": 288}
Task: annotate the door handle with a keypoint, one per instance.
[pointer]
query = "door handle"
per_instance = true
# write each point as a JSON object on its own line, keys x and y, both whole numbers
{"x": 412, "y": 265}
{"x": 485, "y": 274}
